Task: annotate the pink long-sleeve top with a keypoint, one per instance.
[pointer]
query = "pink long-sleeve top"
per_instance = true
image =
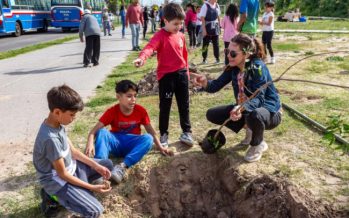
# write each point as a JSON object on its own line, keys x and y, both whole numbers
{"x": 134, "y": 15}
{"x": 230, "y": 29}
{"x": 190, "y": 16}
{"x": 171, "y": 50}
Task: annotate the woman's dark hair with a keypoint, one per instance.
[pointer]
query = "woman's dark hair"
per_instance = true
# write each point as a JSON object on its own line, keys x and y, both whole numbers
{"x": 124, "y": 86}
{"x": 122, "y": 7}
{"x": 249, "y": 45}
{"x": 232, "y": 11}
{"x": 64, "y": 98}
{"x": 192, "y": 6}
{"x": 145, "y": 9}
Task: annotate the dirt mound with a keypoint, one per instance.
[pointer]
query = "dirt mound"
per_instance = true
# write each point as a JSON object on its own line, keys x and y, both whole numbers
{"x": 150, "y": 86}
{"x": 207, "y": 186}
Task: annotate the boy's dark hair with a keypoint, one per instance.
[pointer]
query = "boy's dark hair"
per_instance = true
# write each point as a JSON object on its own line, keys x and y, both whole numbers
{"x": 124, "y": 85}
{"x": 232, "y": 11}
{"x": 173, "y": 11}
{"x": 64, "y": 98}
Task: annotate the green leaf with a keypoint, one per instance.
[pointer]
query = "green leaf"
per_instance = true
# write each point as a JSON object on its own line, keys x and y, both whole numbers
{"x": 346, "y": 128}
{"x": 329, "y": 136}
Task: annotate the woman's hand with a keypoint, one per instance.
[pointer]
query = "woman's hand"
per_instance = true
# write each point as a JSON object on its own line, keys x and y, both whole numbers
{"x": 236, "y": 114}
{"x": 199, "y": 80}
{"x": 166, "y": 151}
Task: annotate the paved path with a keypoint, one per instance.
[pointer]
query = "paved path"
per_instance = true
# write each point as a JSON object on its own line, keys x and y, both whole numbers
{"x": 25, "y": 80}
{"x": 30, "y": 38}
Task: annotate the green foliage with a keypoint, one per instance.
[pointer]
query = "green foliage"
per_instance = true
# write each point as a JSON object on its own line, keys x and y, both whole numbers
{"x": 334, "y": 58}
{"x": 336, "y": 125}
{"x": 327, "y": 8}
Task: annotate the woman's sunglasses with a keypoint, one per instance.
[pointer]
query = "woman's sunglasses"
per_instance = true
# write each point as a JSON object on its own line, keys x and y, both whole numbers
{"x": 232, "y": 53}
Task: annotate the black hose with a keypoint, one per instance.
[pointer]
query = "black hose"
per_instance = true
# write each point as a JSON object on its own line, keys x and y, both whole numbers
{"x": 321, "y": 127}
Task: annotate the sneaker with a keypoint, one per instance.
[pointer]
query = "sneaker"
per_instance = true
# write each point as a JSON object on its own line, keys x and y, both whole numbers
{"x": 204, "y": 62}
{"x": 164, "y": 140}
{"x": 95, "y": 64}
{"x": 99, "y": 181}
{"x": 138, "y": 48}
{"x": 254, "y": 153}
{"x": 118, "y": 173}
{"x": 217, "y": 61}
{"x": 186, "y": 138}
{"x": 272, "y": 60}
{"x": 48, "y": 206}
{"x": 248, "y": 138}
{"x": 109, "y": 35}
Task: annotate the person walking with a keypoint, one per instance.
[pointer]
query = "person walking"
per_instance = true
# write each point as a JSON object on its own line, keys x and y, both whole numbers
{"x": 146, "y": 20}
{"x": 209, "y": 14}
{"x": 190, "y": 23}
{"x": 268, "y": 29}
{"x": 229, "y": 24}
{"x": 152, "y": 16}
{"x": 90, "y": 28}
{"x": 106, "y": 22}
{"x": 198, "y": 30}
{"x": 134, "y": 18}
{"x": 248, "y": 17}
{"x": 123, "y": 20}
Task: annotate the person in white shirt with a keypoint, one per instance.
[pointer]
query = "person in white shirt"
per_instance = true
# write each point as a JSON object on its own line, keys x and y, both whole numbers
{"x": 268, "y": 29}
{"x": 209, "y": 15}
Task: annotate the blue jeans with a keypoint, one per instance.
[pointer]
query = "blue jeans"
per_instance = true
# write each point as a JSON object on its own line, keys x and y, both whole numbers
{"x": 135, "y": 27}
{"x": 123, "y": 23}
{"x": 106, "y": 27}
{"x": 130, "y": 146}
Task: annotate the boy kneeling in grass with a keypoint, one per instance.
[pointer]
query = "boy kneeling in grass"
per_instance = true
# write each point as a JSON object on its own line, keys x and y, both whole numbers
{"x": 124, "y": 139}
{"x": 63, "y": 170}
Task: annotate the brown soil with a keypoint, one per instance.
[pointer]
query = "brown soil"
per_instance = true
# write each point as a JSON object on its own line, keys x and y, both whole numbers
{"x": 197, "y": 185}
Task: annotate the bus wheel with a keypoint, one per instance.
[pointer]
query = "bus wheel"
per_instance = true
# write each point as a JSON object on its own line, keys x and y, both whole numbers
{"x": 65, "y": 29}
{"x": 18, "y": 30}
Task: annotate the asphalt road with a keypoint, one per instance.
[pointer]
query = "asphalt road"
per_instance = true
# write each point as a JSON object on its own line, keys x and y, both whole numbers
{"x": 10, "y": 42}
{"x": 25, "y": 80}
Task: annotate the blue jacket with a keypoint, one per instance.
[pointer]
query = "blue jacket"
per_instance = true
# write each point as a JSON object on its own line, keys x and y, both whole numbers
{"x": 256, "y": 75}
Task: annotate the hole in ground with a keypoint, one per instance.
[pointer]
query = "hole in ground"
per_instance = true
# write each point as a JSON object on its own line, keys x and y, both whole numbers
{"x": 198, "y": 185}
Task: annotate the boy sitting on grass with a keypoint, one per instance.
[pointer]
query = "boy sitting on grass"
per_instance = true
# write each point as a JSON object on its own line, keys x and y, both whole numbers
{"x": 124, "y": 139}
{"x": 172, "y": 71}
{"x": 63, "y": 170}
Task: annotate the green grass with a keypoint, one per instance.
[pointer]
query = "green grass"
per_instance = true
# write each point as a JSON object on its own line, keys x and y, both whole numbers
{"x": 286, "y": 47}
{"x": 314, "y": 25}
{"x": 13, "y": 53}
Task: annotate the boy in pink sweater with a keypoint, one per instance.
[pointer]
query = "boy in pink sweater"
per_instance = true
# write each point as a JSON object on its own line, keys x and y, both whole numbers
{"x": 172, "y": 71}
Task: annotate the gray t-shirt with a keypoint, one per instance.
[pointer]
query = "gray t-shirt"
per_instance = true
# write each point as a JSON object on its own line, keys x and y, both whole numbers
{"x": 50, "y": 145}
{"x": 89, "y": 26}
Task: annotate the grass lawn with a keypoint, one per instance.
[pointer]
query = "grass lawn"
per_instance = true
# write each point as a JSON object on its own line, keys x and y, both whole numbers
{"x": 297, "y": 152}
{"x": 314, "y": 25}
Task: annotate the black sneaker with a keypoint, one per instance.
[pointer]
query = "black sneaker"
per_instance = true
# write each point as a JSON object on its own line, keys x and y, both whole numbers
{"x": 48, "y": 206}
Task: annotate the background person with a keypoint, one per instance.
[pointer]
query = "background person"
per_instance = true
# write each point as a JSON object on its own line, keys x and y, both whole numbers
{"x": 106, "y": 22}
{"x": 134, "y": 18}
{"x": 248, "y": 22}
{"x": 229, "y": 24}
{"x": 123, "y": 20}
{"x": 268, "y": 29}
{"x": 209, "y": 14}
{"x": 90, "y": 28}
{"x": 190, "y": 23}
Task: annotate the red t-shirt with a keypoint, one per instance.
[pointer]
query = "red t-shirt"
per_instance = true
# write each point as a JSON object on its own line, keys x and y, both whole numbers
{"x": 171, "y": 52}
{"x": 125, "y": 124}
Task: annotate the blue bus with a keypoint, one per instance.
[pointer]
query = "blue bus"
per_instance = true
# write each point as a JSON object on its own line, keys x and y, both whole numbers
{"x": 68, "y": 13}
{"x": 17, "y": 16}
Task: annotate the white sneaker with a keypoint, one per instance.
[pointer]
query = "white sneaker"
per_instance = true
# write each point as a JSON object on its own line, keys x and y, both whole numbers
{"x": 272, "y": 60}
{"x": 164, "y": 140}
{"x": 186, "y": 138}
{"x": 248, "y": 137}
{"x": 254, "y": 153}
{"x": 118, "y": 173}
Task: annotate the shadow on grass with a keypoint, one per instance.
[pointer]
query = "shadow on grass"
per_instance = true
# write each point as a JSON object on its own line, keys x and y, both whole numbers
{"x": 17, "y": 182}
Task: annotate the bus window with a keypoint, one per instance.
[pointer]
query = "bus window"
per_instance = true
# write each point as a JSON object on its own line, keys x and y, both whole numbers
{"x": 5, "y": 4}
{"x": 66, "y": 2}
